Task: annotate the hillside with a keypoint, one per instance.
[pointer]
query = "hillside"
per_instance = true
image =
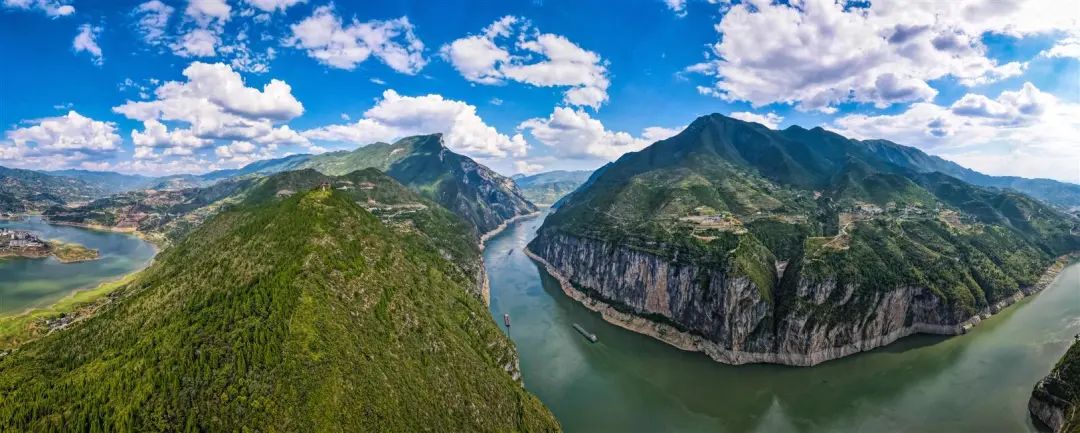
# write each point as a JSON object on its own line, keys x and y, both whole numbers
{"x": 27, "y": 191}
{"x": 548, "y": 187}
{"x": 108, "y": 182}
{"x": 794, "y": 246}
{"x": 288, "y": 312}
{"x": 1055, "y": 402}
{"x": 474, "y": 192}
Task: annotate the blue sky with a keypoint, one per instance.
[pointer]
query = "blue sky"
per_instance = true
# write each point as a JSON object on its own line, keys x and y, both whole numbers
{"x": 186, "y": 86}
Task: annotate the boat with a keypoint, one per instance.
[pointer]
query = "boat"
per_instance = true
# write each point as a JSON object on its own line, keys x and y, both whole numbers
{"x": 588, "y": 335}
{"x": 506, "y": 320}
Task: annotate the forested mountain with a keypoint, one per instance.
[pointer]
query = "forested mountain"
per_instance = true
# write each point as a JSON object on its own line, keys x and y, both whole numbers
{"x": 293, "y": 310}
{"x": 795, "y": 246}
{"x": 1055, "y": 401}
{"x": 107, "y": 181}
{"x": 548, "y": 187}
{"x": 30, "y": 191}
{"x": 476, "y": 193}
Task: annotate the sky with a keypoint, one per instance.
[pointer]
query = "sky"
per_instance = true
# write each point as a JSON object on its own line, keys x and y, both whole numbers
{"x": 187, "y": 86}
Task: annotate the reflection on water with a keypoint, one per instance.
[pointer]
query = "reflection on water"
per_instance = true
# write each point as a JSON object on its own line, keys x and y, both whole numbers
{"x": 26, "y": 283}
{"x": 631, "y": 383}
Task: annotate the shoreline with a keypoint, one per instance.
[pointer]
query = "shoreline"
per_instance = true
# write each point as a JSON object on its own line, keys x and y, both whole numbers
{"x": 491, "y": 233}
{"x": 695, "y": 343}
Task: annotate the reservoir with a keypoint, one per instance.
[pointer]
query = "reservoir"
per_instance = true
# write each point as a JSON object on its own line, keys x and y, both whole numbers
{"x": 628, "y": 382}
{"x": 27, "y": 283}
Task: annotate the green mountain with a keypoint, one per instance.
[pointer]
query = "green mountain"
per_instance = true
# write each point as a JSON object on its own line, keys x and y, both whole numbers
{"x": 1055, "y": 401}
{"x": 476, "y": 193}
{"x": 293, "y": 310}
{"x": 107, "y": 181}
{"x": 257, "y": 168}
{"x": 548, "y": 187}
{"x": 794, "y": 246}
{"x": 1066, "y": 195}
{"x": 23, "y": 191}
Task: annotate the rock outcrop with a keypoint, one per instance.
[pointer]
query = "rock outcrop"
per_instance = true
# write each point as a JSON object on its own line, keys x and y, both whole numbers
{"x": 728, "y": 317}
{"x": 1055, "y": 401}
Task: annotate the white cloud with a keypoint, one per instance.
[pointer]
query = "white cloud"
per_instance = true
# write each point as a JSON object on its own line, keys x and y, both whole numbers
{"x": 396, "y": 116}
{"x": 325, "y": 39}
{"x": 770, "y": 120}
{"x": 215, "y": 104}
{"x": 677, "y": 6}
{"x": 153, "y": 21}
{"x": 52, "y": 8}
{"x": 86, "y": 40}
{"x": 197, "y": 43}
{"x": 574, "y": 134}
{"x": 59, "y": 141}
{"x": 819, "y": 53}
{"x": 526, "y": 167}
{"x": 207, "y": 12}
{"x": 1068, "y": 46}
{"x": 481, "y": 59}
{"x": 1025, "y": 132}
{"x": 273, "y": 5}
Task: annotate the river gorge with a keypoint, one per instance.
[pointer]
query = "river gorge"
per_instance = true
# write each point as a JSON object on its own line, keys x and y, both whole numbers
{"x": 980, "y": 381}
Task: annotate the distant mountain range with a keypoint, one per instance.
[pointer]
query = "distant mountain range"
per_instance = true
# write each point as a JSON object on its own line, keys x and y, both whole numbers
{"x": 548, "y": 187}
{"x": 795, "y": 246}
{"x": 315, "y": 303}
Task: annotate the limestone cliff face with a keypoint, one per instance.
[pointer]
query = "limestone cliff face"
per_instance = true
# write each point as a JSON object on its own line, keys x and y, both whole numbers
{"x": 725, "y": 315}
{"x": 1054, "y": 401}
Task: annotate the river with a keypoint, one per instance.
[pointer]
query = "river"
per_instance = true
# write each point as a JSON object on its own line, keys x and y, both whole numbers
{"x": 628, "y": 382}
{"x": 27, "y": 283}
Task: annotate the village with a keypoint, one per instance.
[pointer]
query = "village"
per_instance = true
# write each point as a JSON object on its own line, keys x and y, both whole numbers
{"x": 17, "y": 243}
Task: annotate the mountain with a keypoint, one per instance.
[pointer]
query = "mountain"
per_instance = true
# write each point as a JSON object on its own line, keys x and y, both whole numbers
{"x": 794, "y": 246}
{"x": 24, "y": 191}
{"x": 108, "y": 182}
{"x": 293, "y": 310}
{"x": 1055, "y": 402}
{"x": 1066, "y": 195}
{"x": 257, "y": 168}
{"x": 548, "y": 187}
{"x": 481, "y": 196}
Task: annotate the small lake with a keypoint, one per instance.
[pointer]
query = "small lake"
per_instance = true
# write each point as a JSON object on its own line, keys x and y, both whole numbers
{"x": 26, "y": 283}
{"x": 978, "y": 382}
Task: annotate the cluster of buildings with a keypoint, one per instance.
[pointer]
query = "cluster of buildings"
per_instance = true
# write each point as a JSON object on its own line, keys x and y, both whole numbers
{"x": 19, "y": 239}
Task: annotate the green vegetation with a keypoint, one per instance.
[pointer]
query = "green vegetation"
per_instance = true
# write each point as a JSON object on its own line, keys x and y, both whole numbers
{"x": 1063, "y": 384}
{"x": 732, "y": 195}
{"x": 474, "y": 192}
{"x": 300, "y": 312}
{"x": 71, "y": 253}
{"x": 548, "y": 187}
{"x": 27, "y": 191}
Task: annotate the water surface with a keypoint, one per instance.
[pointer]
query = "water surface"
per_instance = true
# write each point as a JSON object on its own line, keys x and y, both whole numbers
{"x": 27, "y": 283}
{"x": 632, "y": 383}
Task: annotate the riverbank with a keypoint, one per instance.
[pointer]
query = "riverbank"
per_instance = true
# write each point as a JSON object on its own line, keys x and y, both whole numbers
{"x": 484, "y": 237}
{"x": 695, "y": 343}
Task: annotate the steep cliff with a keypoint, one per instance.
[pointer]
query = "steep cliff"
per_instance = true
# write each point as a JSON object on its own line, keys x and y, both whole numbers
{"x": 1055, "y": 401}
{"x": 794, "y": 246}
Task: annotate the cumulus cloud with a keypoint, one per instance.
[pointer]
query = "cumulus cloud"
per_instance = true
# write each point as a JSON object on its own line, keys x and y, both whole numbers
{"x": 197, "y": 43}
{"x": 273, "y": 5}
{"x": 86, "y": 40}
{"x": 677, "y": 6}
{"x": 1023, "y": 132}
{"x": 214, "y": 104}
{"x": 208, "y": 12}
{"x": 526, "y": 167}
{"x": 820, "y": 53}
{"x": 396, "y": 116}
{"x": 770, "y": 120}
{"x": 325, "y": 38}
{"x": 486, "y": 58}
{"x": 574, "y": 134}
{"x": 59, "y": 141}
{"x": 153, "y": 19}
{"x": 52, "y": 8}
{"x": 1066, "y": 47}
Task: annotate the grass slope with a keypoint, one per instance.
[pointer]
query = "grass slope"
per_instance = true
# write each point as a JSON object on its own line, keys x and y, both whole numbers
{"x": 299, "y": 314}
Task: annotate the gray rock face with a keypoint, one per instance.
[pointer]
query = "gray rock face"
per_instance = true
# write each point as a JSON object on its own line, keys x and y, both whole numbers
{"x": 1046, "y": 407}
{"x": 726, "y": 316}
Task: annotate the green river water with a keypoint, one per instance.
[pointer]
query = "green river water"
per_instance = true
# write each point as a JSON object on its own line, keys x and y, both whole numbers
{"x": 978, "y": 382}
{"x": 27, "y": 283}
